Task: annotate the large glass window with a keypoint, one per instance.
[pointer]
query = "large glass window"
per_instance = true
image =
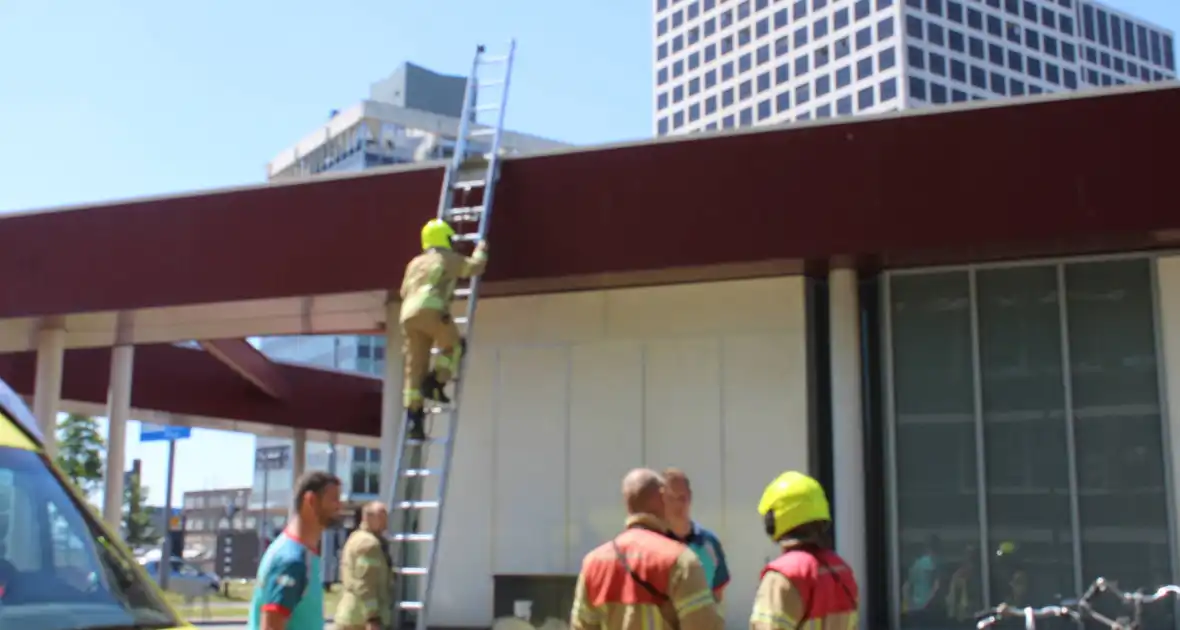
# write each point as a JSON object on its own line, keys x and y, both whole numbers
{"x": 1048, "y": 373}
{"x": 935, "y": 444}
{"x": 1116, "y": 407}
{"x": 1022, "y": 391}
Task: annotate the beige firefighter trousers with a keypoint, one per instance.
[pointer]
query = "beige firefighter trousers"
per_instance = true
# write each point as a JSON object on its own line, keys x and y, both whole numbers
{"x": 421, "y": 332}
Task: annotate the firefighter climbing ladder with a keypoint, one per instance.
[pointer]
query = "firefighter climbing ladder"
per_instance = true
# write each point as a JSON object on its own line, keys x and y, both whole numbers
{"x": 466, "y": 203}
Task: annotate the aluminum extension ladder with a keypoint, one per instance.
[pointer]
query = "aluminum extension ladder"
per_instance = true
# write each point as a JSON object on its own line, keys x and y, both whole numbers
{"x": 419, "y": 488}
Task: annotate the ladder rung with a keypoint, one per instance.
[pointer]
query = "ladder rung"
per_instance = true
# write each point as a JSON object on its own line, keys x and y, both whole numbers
{"x": 410, "y": 605}
{"x": 488, "y": 84}
{"x": 420, "y": 472}
{"x": 417, "y": 505}
{"x": 412, "y": 570}
{"x": 461, "y": 321}
{"x": 413, "y": 537}
{"x": 490, "y": 107}
{"x": 485, "y": 131}
{"x": 469, "y": 184}
{"x": 437, "y": 409}
{"x": 496, "y": 59}
{"x": 462, "y": 212}
{"x": 470, "y": 237}
{"x": 429, "y": 440}
{"x": 462, "y": 293}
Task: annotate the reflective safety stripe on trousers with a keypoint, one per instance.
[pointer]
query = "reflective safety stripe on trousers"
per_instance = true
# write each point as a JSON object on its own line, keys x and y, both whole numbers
{"x": 411, "y": 397}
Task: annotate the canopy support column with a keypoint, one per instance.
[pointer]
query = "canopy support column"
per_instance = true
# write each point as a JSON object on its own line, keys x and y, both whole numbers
{"x": 848, "y": 434}
{"x": 118, "y": 412}
{"x": 51, "y": 354}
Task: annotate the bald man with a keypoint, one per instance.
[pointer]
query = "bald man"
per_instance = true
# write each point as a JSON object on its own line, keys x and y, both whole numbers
{"x": 643, "y": 572}
{"x": 366, "y": 574}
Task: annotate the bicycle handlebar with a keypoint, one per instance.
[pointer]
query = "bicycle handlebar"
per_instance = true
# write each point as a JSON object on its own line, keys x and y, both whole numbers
{"x": 1135, "y": 598}
{"x": 1080, "y": 608}
{"x": 1029, "y": 614}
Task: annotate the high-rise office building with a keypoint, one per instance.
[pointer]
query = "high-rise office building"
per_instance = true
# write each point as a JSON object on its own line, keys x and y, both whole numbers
{"x": 721, "y": 64}
{"x": 410, "y": 116}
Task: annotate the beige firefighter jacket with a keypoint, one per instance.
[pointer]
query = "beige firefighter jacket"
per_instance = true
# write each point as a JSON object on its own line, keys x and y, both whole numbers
{"x": 607, "y": 597}
{"x": 429, "y": 283}
{"x": 368, "y": 582}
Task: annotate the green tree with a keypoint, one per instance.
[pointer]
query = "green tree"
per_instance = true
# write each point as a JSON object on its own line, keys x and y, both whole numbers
{"x": 79, "y": 451}
{"x": 138, "y": 529}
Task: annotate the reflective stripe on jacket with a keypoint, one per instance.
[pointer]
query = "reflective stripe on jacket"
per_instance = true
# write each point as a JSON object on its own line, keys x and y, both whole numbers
{"x": 811, "y": 589}
{"x": 643, "y": 580}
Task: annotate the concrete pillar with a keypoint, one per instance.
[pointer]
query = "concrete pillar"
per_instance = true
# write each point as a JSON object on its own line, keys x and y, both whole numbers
{"x": 847, "y": 423}
{"x": 298, "y": 455}
{"x": 118, "y": 410}
{"x": 1167, "y": 298}
{"x": 51, "y": 354}
{"x": 392, "y": 411}
{"x": 333, "y": 445}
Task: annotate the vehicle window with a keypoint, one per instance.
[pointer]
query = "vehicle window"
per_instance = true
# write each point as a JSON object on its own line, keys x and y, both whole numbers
{"x": 58, "y": 571}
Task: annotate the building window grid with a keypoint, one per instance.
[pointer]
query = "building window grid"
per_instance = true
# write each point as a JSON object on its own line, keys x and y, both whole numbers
{"x": 1035, "y": 85}
{"x": 850, "y": 91}
{"x": 1043, "y": 83}
{"x": 982, "y": 34}
{"x": 877, "y": 11}
{"x": 1124, "y": 56}
{"x": 835, "y": 92}
{"x": 925, "y": 74}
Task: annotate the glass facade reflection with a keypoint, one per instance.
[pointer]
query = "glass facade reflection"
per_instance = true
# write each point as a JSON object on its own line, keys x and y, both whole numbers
{"x": 1026, "y": 437}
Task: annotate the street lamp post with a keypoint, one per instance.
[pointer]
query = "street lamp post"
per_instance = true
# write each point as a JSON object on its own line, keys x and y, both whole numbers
{"x": 267, "y": 459}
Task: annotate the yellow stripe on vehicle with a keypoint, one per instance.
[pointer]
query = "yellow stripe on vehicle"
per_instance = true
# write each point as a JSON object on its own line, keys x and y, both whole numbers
{"x": 11, "y": 436}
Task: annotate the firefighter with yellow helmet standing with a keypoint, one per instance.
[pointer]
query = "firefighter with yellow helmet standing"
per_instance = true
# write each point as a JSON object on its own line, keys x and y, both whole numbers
{"x": 427, "y": 290}
{"x": 809, "y": 582}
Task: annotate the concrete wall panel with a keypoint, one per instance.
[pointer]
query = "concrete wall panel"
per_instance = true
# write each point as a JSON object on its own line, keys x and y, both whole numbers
{"x": 764, "y": 432}
{"x": 567, "y": 392}
{"x": 606, "y": 420}
{"x": 464, "y": 593}
{"x": 682, "y": 416}
{"x": 529, "y": 515}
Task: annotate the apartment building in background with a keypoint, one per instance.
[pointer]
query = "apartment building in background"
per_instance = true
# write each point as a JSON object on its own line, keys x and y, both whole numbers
{"x": 721, "y": 64}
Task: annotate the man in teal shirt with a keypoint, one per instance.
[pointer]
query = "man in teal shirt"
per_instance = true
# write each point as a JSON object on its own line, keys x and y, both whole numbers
{"x": 704, "y": 543}
{"x": 288, "y": 594}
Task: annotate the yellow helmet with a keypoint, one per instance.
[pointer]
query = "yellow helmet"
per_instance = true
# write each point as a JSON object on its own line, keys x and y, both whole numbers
{"x": 791, "y": 500}
{"x": 437, "y": 233}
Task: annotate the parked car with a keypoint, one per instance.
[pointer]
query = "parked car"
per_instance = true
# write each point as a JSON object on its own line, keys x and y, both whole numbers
{"x": 61, "y": 568}
{"x": 185, "y": 578}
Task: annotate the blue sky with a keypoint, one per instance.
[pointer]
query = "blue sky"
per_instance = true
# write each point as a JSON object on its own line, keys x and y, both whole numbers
{"x": 103, "y": 100}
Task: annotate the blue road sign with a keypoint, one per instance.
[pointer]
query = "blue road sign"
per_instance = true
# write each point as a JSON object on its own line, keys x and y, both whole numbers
{"x": 163, "y": 433}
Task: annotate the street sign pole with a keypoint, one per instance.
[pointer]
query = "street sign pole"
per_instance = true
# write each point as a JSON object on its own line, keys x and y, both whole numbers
{"x": 166, "y": 433}
{"x": 267, "y": 459}
{"x": 166, "y": 553}
{"x": 264, "y": 519}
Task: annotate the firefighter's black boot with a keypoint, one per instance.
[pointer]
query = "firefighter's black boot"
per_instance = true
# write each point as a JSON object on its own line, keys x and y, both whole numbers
{"x": 434, "y": 390}
{"x": 416, "y": 419}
